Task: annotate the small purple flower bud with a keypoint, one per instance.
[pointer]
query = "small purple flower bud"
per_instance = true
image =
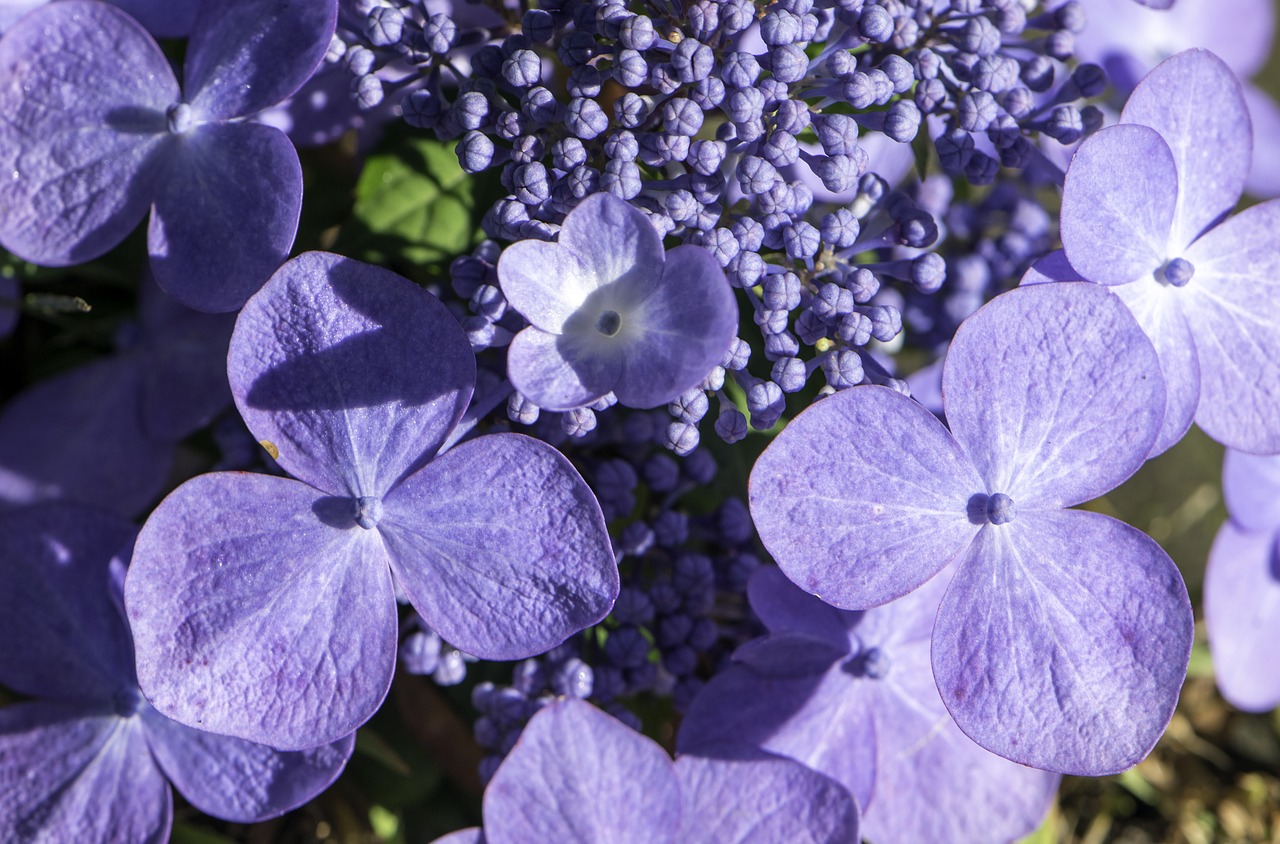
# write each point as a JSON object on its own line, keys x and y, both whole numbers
{"x": 756, "y": 176}
{"x": 585, "y": 118}
{"x": 843, "y": 369}
{"x": 739, "y": 70}
{"x": 928, "y": 272}
{"x": 790, "y": 374}
{"x": 708, "y": 93}
{"x": 692, "y": 60}
{"x": 731, "y": 425}
{"x": 530, "y": 183}
{"x": 859, "y": 90}
{"x": 736, "y": 356}
{"x": 832, "y": 302}
{"x": 681, "y": 116}
{"x": 899, "y": 73}
{"x": 801, "y": 241}
{"x": 886, "y": 321}
{"x": 902, "y": 121}
{"x": 789, "y": 63}
{"x": 475, "y": 151}
{"x": 875, "y": 24}
{"x": 1001, "y": 509}
{"x": 578, "y": 422}
{"x": 520, "y": 409}
{"x": 854, "y": 329}
{"x": 367, "y": 91}
{"x": 863, "y": 284}
{"x": 838, "y": 134}
{"x": 439, "y": 34}
{"x": 573, "y": 679}
{"x": 745, "y": 268}
{"x": 636, "y": 33}
{"x": 1177, "y": 272}
{"x": 522, "y": 69}
{"x": 576, "y": 48}
{"x": 631, "y": 70}
{"x": 384, "y": 26}
{"x": 766, "y": 404}
{"x": 538, "y": 25}
{"x": 681, "y": 438}
{"x": 779, "y": 345}
{"x": 840, "y": 228}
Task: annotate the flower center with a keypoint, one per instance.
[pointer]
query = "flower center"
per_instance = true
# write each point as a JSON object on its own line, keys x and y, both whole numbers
{"x": 126, "y": 701}
{"x": 180, "y": 118}
{"x": 871, "y": 663}
{"x": 1177, "y": 272}
{"x": 1001, "y": 509}
{"x": 609, "y": 323}
{"x": 368, "y": 511}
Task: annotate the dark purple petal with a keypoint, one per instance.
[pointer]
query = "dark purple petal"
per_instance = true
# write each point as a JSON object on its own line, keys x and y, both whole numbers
{"x": 1195, "y": 103}
{"x": 545, "y": 282}
{"x": 863, "y": 497}
{"x": 78, "y": 436}
{"x": 579, "y": 775}
{"x": 260, "y": 610}
{"x": 1055, "y": 393}
{"x": 82, "y": 159}
{"x": 238, "y": 780}
{"x": 246, "y": 55}
{"x": 785, "y": 608}
{"x": 163, "y": 18}
{"x": 225, "y": 218}
{"x": 501, "y": 547}
{"x": 790, "y": 654}
{"x": 1052, "y": 267}
{"x": 1234, "y": 311}
{"x": 614, "y": 240}
{"x": 1251, "y": 487}
{"x": 686, "y": 320}
{"x": 765, "y": 798}
{"x": 1041, "y": 660}
{"x": 56, "y": 603}
{"x": 1242, "y": 617}
{"x": 1118, "y": 205}
{"x": 557, "y": 372}
{"x": 354, "y": 374}
{"x": 70, "y": 774}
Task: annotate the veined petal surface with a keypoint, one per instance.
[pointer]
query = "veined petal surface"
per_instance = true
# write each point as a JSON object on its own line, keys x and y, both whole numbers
{"x": 260, "y": 610}
{"x": 614, "y": 240}
{"x": 579, "y": 776}
{"x": 83, "y": 145}
{"x": 1242, "y": 616}
{"x": 545, "y": 282}
{"x": 1054, "y": 392}
{"x": 559, "y": 371}
{"x": 863, "y": 497}
{"x": 1196, "y": 104}
{"x": 246, "y": 55}
{"x": 1063, "y": 641}
{"x": 163, "y": 18}
{"x": 226, "y": 216}
{"x": 1119, "y": 202}
{"x": 354, "y": 374}
{"x": 501, "y": 547}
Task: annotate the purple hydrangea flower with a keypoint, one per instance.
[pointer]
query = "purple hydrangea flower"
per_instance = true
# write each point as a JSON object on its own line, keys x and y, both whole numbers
{"x": 610, "y": 311}
{"x": 97, "y": 129}
{"x": 577, "y": 774}
{"x": 1242, "y": 584}
{"x": 264, "y": 607}
{"x": 1142, "y": 212}
{"x": 1064, "y": 636}
{"x": 851, "y": 694}
{"x": 89, "y": 759}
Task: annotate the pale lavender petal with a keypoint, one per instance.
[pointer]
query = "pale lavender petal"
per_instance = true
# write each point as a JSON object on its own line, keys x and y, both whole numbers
{"x": 163, "y": 18}
{"x": 225, "y": 218}
{"x": 1159, "y": 310}
{"x": 322, "y": 367}
{"x": 1118, "y": 205}
{"x": 82, "y": 159}
{"x": 1052, "y": 267}
{"x": 1251, "y": 487}
{"x": 545, "y": 282}
{"x": 1264, "y": 114}
{"x": 579, "y": 776}
{"x": 56, "y": 603}
{"x": 762, "y": 797}
{"x": 260, "y": 610}
{"x": 12, "y": 10}
{"x": 1054, "y": 392}
{"x": 246, "y": 55}
{"x": 78, "y": 436}
{"x": 1044, "y": 662}
{"x": 556, "y": 372}
{"x": 470, "y": 835}
{"x": 69, "y": 774}
{"x": 501, "y": 547}
{"x": 863, "y": 497}
{"x": 1242, "y": 617}
{"x": 686, "y": 320}
{"x": 238, "y": 780}
{"x": 1196, "y": 104}
{"x": 615, "y": 241}
{"x": 1234, "y": 310}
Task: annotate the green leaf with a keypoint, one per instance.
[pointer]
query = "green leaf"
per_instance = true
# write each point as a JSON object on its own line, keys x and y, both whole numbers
{"x": 369, "y": 743}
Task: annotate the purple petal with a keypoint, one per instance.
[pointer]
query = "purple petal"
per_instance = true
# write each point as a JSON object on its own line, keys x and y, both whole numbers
{"x": 1118, "y": 205}
{"x": 1052, "y": 267}
{"x": 246, "y": 55}
{"x": 579, "y": 775}
{"x": 1235, "y": 314}
{"x": 501, "y": 547}
{"x": 1195, "y": 103}
{"x": 225, "y": 218}
{"x": 83, "y": 159}
{"x": 238, "y": 780}
{"x": 69, "y": 775}
{"x": 545, "y": 282}
{"x": 260, "y": 610}
{"x": 1055, "y": 393}
{"x": 767, "y": 798}
{"x": 470, "y": 835}
{"x": 785, "y": 608}
{"x": 556, "y": 372}
{"x": 78, "y": 436}
{"x": 318, "y": 369}
{"x": 163, "y": 18}
{"x": 614, "y": 240}
{"x": 1264, "y": 114}
{"x": 56, "y": 603}
{"x": 1045, "y": 662}
{"x": 863, "y": 497}
{"x": 790, "y": 654}
{"x": 686, "y": 321}
{"x": 1251, "y": 487}
{"x": 1242, "y": 616}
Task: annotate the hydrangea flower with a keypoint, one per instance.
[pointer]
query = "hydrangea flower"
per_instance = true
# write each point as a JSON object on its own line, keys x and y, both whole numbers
{"x": 162, "y": 18}
{"x": 1064, "y": 636}
{"x": 108, "y": 132}
{"x": 88, "y": 759}
{"x": 850, "y": 694}
{"x": 265, "y": 607}
{"x": 1242, "y": 584}
{"x": 611, "y": 311}
{"x": 1142, "y": 212}
{"x": 579, "y": 775}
